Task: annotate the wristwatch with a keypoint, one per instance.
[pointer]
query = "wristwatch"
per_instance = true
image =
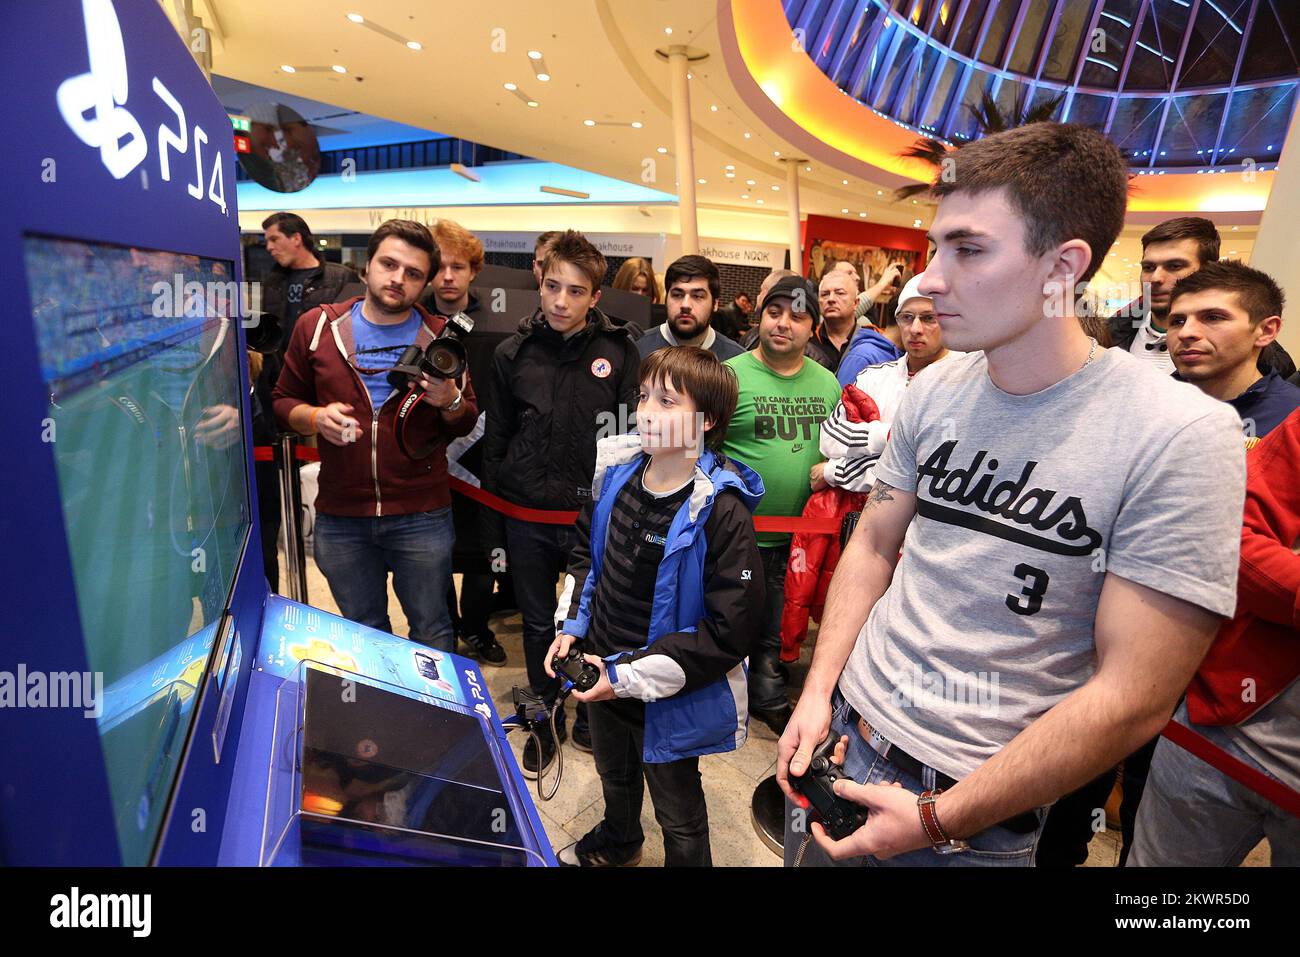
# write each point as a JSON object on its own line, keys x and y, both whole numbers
{"x": 460, "y": 396}
{"x": 939, "y": 841}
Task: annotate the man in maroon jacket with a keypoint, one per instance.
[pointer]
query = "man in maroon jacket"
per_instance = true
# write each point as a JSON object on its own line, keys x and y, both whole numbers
{"x": 379, "y": 506}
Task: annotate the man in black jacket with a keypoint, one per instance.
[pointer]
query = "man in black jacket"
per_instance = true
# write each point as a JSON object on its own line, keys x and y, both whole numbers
{"x": 1170, "y": 251}
{"x": 568, "y": 377}
{"x": 300, "y": 280}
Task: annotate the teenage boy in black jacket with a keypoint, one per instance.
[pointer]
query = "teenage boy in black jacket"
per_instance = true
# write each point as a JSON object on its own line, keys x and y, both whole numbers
{"x": 567, "y": 378}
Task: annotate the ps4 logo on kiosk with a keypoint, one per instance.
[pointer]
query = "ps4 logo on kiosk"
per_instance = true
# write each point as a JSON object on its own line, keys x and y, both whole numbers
{"x": 93, "y": 104}
{"x": 474, "y": 687}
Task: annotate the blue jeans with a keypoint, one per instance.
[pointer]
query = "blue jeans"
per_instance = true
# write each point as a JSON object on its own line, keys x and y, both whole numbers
{"x": 993, "y": 847}
{"x": 766, "y": 680}
{"x": 1194, "y": 816}
{"x": 356, "y": 554}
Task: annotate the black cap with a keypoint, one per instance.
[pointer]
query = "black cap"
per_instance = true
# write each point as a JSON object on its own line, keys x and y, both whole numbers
{"x": 795, "y": 288}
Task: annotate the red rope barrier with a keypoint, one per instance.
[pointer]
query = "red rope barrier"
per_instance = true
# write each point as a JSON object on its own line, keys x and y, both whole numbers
{"x": 762, "y": 523}
{"x": 1257, "y": 781}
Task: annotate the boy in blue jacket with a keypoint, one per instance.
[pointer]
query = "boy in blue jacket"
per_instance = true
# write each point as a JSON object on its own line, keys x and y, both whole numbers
{"x": 664, "y": 591}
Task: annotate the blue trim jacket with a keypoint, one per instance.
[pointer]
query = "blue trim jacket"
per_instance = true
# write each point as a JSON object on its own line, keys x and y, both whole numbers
{"x": 707, "y": 609}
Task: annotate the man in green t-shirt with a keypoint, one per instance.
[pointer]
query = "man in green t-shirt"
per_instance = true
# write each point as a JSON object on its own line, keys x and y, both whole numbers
{"x": 776, "y": 431}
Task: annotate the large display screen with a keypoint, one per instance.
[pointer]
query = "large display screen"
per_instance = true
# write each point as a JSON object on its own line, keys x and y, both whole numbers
{"x": 139, "y": 350}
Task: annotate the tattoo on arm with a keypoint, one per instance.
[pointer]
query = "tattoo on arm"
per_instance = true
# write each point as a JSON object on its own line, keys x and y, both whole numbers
{"x": 879, "y": 493}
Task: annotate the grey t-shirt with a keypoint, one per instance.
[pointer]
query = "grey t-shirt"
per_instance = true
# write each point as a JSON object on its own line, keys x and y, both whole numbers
{"x": 1023, "y": 504}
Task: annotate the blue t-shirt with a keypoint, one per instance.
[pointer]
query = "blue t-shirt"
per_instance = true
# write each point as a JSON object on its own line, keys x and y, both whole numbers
{"x": 391, "y": 341}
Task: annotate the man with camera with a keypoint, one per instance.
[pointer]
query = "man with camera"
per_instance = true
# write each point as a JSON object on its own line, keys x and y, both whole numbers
{"x": 383, "y": 382}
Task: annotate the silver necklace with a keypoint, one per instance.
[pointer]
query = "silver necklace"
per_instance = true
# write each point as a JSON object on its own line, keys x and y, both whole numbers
{"x": 1092, "y": 351}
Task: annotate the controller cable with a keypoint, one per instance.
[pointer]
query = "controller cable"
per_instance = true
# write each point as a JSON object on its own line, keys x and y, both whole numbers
{"x": 531, "y": 715}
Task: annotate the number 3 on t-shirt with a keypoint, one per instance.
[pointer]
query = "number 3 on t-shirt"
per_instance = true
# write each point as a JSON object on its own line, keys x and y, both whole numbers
{"x": 1030, "y": 599}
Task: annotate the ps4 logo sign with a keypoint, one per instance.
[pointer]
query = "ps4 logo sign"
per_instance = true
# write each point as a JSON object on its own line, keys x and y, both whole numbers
{"x": 477, "y": 691}
{"x": 94, "y": 105}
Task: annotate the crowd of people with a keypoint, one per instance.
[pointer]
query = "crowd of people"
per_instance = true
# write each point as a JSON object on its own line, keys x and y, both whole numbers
{"x": 1069, "y": 529}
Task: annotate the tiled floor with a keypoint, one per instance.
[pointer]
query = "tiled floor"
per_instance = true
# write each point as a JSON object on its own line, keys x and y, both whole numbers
{"x": 729, "y": 779}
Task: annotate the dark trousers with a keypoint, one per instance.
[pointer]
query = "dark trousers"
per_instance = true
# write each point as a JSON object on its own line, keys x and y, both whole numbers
{"x": 268, "y": 511}
{"x": 676, "y": 789}
{"x": 1136, "y": 767}
{"x": 1072, "y": 821}
{"x": 538, "y": 554}
{"x": 766, "y": 678}
{"x": 475, "y": 605}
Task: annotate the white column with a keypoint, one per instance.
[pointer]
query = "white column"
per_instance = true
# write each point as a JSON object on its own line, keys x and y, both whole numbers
{"x": 792, "y": 188}
{"x": 683, "y": 144}
{"x": 1276, "y": 250}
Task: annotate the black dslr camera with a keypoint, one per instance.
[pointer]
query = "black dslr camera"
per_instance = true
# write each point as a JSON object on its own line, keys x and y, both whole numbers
{"x": 443, "y": 358}
{"x": 839, "y": 816}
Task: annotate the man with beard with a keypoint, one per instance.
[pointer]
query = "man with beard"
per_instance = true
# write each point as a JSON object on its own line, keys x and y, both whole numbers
{"x": 377, "y": 510}
{"x": 693, "y": 286}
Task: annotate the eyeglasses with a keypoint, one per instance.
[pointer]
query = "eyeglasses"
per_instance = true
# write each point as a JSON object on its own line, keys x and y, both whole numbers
{"x": 927, "y": 317}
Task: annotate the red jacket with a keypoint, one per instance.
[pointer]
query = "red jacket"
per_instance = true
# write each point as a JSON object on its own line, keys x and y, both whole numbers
{"x": 370, "y": 476}
{"x": 1259, "y": 649}
{"x": 813, "y": 557}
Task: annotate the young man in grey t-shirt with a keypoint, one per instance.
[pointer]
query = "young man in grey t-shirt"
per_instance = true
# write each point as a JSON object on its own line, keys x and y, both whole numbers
{"x": 1064, "y": 563}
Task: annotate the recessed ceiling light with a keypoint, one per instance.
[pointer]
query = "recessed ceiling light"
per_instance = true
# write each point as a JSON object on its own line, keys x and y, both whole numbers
{"x": 690, "y": 76}
{"x": 415, "y": 44}
{"x": 880, "y": 192}
{"x": 702, "y": 182}
{"x": 845, "y": 210}
{"x": 807, "y": 169}
{"x": 744, "y": 196}
{"x": 746, "y": 136}
{"x": 588, "y": 122}
{"x": 845, "y": 182}
{"x": 662, "y": 149}
{"x": 776, "y": 152}
{"x": 668, "y": 30}
{"x": 356, "y": 18}
{"x": 287, "y": 69}
{"x": 916, "y": 224}
{"x": 729, "y": 175}
{"x": 862, "y": 215}
{"x": 776, "y": 189}
{"x": 534, "y": 54}
{"x": 544, "y": 77}
{"x": 760, "y": 202}
{"x": 339, "y": 69}
{"x": 532, "y": 103}
{"x": 511, "y": 87}
{"x": 637, "y": 124}
{"x": 713, "y": 108}
{"x": 1234, "y": 229}
{"x": 751, "y": 182}
{"x": 913, "y": 202}
{"x": 730, "y": 166}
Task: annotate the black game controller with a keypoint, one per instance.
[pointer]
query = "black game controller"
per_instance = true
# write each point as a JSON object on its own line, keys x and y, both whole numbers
{"x": 840, "y": 817}
{"x": 576, "y": 668}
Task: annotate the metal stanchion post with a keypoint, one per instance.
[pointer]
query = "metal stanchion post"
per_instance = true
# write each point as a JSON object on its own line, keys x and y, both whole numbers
{"x": 295, "y": 556}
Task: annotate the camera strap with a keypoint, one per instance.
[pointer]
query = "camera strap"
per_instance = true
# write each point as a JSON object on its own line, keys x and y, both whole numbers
{"x": 405, "y": 413}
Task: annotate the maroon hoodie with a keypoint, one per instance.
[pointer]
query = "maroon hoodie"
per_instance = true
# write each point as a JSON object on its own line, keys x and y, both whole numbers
{"x": 370, "y": 476}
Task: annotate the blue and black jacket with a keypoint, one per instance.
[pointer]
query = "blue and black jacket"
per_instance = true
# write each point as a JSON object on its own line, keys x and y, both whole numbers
{"x": 707, "y": 609}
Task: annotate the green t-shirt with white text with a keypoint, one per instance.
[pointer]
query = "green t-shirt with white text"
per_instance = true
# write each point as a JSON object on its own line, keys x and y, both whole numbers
{"x": 776, "y": 431}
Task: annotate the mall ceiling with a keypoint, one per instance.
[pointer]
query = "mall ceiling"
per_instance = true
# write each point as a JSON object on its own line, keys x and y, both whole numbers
{"x": 579, "y": 82}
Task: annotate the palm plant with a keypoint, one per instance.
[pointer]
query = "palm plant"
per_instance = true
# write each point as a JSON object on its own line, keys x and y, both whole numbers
{"x": 989, "y": 118}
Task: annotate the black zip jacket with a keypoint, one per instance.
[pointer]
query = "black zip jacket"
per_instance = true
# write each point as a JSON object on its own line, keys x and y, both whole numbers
{"x": 549, "y": 399}
{"x": 329, "y": 283}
